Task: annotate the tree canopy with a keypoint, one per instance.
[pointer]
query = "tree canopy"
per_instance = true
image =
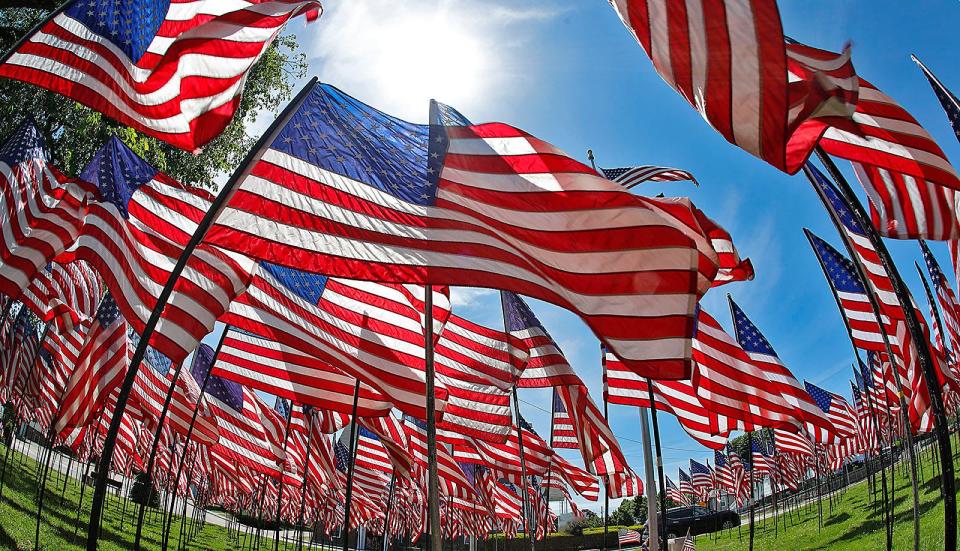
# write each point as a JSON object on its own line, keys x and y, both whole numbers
{"x": 74, "y": 132}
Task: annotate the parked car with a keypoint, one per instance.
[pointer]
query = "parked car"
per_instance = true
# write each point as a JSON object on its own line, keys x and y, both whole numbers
{"x": 699, "y": 520}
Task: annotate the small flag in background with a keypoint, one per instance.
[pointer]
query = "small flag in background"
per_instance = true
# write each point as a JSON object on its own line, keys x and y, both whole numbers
{"x": 688, "y": 543}
{"x": 627, "y": 536}
{"x": 629, "y": 177}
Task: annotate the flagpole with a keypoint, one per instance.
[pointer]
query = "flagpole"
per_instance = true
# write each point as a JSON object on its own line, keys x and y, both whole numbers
{"x": 659, "y": 460}
{"x": 286, "y": 438}
{"x": 433, "y": 481}
{"x": 653, "y": 523}
{"x": 753, "y": 468}
{"x": 303, "y": 489}
{"x": 193, "y": 420}
{"x": 857, "y": 209}
{"x": 348, "y": 495}
{"x": 389, "y": 504}
{"x": 883, "y": 471}
{"x": 527, "y": 516}
{"x": 546, "y": 488}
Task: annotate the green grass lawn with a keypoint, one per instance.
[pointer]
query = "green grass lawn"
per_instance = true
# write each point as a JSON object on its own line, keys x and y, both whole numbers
{"x": 18, "y": 513}
{"x": 853, "y": 524}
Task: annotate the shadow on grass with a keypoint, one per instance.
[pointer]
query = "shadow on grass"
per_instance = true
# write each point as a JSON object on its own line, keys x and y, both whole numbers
{"x": 837, "y": 519}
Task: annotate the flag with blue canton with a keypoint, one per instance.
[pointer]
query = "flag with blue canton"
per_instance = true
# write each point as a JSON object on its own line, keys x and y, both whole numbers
{"x": 283, "y": 407}
{"x": 836, "y": 202}
{"x": 720, "y": 459}
{"x": 176, "y": 68}
{"x": 202, "y": 362}
{"x": 820, "y": 396}
{"x": 154, "y": 358}
{"x": 749, "y": 337}
{"x": 25, "y": 143}
{"x": 949, "y": 102}
{"x": 227, "y": 392}
{"x": 838, "y": 268}
{"x": 306, "y": 285}
{"x": 342, "y": 456}
{"x": 117, "y": 172}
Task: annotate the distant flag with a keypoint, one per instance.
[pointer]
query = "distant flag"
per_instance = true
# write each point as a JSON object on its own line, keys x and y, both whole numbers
{"x": 564, "y": 435}
{"x": 686, "y": 486}
{"x": 701, "y": 477}
{"x": 450, "y": 203}
{"x": 629, "y": 177}
{"x": 101, "y": 364}
{"x": 41, "y": 212}
{"x": 763, "y": 356}
{"x": 837, "y": 409}
{"x": 946, "y": 298}
{"x": 731, "y": 62}
{"x": 546, "y": 365}
{"x": 688, "y": 543}
{"x": 172, "y": 70}
{"x": 626, "y": 536}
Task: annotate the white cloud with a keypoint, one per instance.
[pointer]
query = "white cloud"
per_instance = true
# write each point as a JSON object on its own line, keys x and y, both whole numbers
{"x": 467, "y": 297}
{"x": 398, "y": 55}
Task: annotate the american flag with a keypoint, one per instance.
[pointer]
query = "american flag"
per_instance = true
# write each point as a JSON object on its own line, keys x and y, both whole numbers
{"x": 701, "y": 476}
{"x": 626, "y": 536}
{"x": 243, "y": 436}
{"x": 372, "y": 467}
{"x": 597, "y": 443}
{"x": 880, "y": 382}
{"x": 101, "y": 363}
{"x": 947, "y": 99}
{"x": 686, "y": 487}
{"x": 838, "y": 411}
{"x": 564, "y": 435}
{"x": 723, "y": 473}
{"x": 729, "y": 60}
{"x": 173, "y": 70}
{"x": 393, "y": 436}
{"x": 792, "y": 442}
{"x": 782, "y": 380}
{"x": 946, "y": 298}
{"x": 453, "y": 480}
{"x": 851, "y": 294}
{"x": 631, "y": 176}
{"x": 688, "y": 542}
{"x": 730, "y": 384}
{"x": 272, "y": 366}
{"x": 760, "y": 461}
{"x": 674, "y": 493}
{"x": 64, "y": 293}
{"x": 546, "y": 365}
{"x": 134, "y": 234}
{"x": 368, "y": 330}
{"x": 450, "y": 203}
{"x": 41, "y": 212}
{"x": 869, "y": 434}
{"x": 910, "y": 182}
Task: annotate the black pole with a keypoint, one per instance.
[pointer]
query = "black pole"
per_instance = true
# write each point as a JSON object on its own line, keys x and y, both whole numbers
{"x": 286, "y": 437}
{"x": 753, "y": 468}
{"x": 100, "y": 489}
{"x": 662, "y": 521}
{"x": 193, "y": 420}
{"x": 433, "y": 480}
{"x": 303, "y": 490}
{"x": 348, "y": 495}
{"x": 386, "y": 516}
{"x": 902, "y": 295}
{"x": 527, "y": 516}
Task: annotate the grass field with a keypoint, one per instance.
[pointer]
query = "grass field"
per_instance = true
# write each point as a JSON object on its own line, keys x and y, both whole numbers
{"x": 18, "y": 513}
{"x": 853, "y": 524}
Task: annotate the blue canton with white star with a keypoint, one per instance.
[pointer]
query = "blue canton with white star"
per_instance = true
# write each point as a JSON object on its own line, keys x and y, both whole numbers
{"x": 558, "y": 404}
{"x": 202, "y": 363}
{"x": 698, "y": 468}
{"x": 228, "y": 392}
{"x": 822, "y": 398}
{"x": 118, "y": 173}
{"x": 108, "y": 312}
{"x": 837, "y": 204}
{"x": 839, "y": 268}
{"x": 26, "y": 142}
{"x": 719, "y": 459}
{"x": 342, "y": 135}
{"x": 749, "y": 337}
{"x": 306, "y": 285}
{"x": 342, "y": 456}
{"x": 130, "y": 25}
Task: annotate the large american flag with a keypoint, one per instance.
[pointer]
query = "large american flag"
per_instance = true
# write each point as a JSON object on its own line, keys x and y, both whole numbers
{"x": 782, "y": 380}
{"x": 911, "y": 184}
{"x": 729, "y": 60}
{"x": 851, "y": 295}
{"x": 173, "y": 70}
{"x": 41, "y": 212}
{"x": 101, "y": 363}
{"x": 134, "y": 234}
{"x": 354, "y": 192}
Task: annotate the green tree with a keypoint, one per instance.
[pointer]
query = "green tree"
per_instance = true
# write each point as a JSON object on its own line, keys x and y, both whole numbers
{"x": 623, "y": 515}
{"x": 74, "y": 132}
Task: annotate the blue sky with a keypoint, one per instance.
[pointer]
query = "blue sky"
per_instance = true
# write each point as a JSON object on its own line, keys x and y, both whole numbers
{"x": 568, "y": 72}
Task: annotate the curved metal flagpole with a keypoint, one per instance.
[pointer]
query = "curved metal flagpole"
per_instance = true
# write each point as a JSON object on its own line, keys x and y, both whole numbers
{"x": 100, "y": 488}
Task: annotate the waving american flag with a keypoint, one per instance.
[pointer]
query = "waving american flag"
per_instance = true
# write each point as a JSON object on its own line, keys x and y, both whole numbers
{"x": 173, "y": 69}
